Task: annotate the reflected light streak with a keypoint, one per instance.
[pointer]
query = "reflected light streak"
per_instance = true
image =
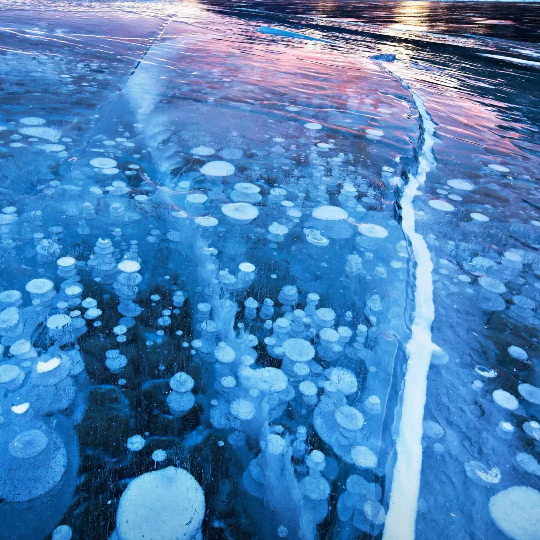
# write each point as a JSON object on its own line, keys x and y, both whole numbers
{"x": 411, "y": 16}
{"x": 189, "y": 9}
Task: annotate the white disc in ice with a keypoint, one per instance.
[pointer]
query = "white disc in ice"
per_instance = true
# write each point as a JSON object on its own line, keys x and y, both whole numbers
{"x": 439, "y": 204}
{"x": 460, "y": 184}
{"x": 218, "y": 168}
{"x": 103, "y": 163}
{"x": 372, "y": 230}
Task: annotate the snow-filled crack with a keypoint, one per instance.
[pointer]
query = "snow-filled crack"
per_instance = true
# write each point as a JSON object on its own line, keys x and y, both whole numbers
{"x": 403, "y": 504}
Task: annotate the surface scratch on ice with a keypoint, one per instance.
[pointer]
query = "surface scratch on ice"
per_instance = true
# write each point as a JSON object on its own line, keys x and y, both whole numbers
{"x": 511, "y": 59}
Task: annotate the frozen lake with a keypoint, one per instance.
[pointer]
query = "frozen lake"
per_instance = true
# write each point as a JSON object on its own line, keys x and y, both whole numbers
{"x": 269, "y": 270}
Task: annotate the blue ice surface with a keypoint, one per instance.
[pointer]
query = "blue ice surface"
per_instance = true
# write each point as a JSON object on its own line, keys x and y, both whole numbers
{"x": 317, "y": 136}
{"x": 286, "y": 33}
{"x": 384, "y": 57}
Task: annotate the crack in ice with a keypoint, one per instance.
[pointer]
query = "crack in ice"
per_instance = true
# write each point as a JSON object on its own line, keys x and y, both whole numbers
{"x": 403, "y": 505}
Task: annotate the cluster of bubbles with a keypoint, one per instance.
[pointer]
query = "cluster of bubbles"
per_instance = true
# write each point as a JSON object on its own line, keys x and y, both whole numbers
{"x": 282, "y": 307}
{"x": 497, "y": 283}
{"x": 276, "y": 373}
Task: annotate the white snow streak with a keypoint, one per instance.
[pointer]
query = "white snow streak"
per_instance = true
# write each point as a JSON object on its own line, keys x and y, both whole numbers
{"x": 511, "y": 59}
{"x": 403, "y": 506}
